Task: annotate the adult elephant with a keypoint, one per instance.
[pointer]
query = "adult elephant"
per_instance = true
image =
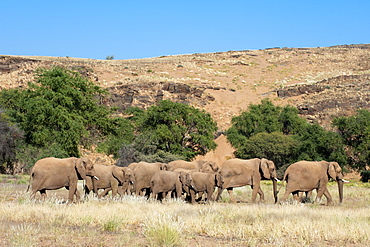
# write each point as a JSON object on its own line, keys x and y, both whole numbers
{"x": 53, "y": 173}
{"x": 189, "y": 165}
{"x": 142, "y": 175}
{"x": 110, "y": 178}
{"x": 164, "y": 182}
{"x": 196, "y": 182}
{"x": 238, "y": 172}
{"x": 305, "y": 176}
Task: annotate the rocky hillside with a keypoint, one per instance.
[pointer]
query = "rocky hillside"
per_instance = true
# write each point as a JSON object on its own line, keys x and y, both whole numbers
{"x": 322, "y": 82}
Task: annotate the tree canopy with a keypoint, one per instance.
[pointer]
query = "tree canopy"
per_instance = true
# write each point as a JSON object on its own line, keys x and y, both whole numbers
{"x": 279, "y": 134}
{"x": 60, "y": 108}
{"x": 172, "y": 129}
{"x": 355, "y": 131}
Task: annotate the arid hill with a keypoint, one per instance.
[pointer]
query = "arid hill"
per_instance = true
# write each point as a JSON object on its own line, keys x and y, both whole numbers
{"x": 321, "y": 82}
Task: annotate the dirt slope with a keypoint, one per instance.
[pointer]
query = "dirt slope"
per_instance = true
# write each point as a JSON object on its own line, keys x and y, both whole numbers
{"x": 322, "y": 82}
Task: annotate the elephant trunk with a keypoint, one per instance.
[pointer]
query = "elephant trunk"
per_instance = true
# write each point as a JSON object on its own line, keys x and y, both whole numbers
{"x": 340, "y": 189}
{"x": 274, "y": 187}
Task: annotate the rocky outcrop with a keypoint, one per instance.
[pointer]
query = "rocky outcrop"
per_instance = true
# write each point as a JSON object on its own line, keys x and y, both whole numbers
{"x": 144, "y": 95}
{"x": 8, "y": 64}
{"x": 333, "y": 97}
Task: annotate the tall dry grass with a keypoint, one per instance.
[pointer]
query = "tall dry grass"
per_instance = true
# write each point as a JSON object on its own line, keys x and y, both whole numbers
{"x": 135, "y": 221}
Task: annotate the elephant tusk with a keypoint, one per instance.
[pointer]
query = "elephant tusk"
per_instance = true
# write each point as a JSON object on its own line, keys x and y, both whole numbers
{"x": 96, "y": 177}
{"x": 277, "y": 180}
{"x": 345, "y": 181}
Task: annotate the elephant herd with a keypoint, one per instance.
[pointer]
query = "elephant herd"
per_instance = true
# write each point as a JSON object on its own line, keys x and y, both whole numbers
{"x": 190, "y": 181}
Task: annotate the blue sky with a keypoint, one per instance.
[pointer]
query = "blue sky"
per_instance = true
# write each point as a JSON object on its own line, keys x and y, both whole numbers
{"x": 141, "y": 29}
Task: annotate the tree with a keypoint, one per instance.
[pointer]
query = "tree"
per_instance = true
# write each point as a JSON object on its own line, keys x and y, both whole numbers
{"x": 264, "y": 117}
{"x": 170, "y": 128}
{"x": 61, "y": 108}
{"x": 123, "y": 134}
{"x": 276, "y": 146}
{"x": 278, "y": 133}
{"x": 355, "y": 131}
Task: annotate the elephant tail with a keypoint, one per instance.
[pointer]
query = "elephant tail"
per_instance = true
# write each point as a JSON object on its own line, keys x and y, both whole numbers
{"x": 285, "y": 179}
{"x": 29, "y": 182}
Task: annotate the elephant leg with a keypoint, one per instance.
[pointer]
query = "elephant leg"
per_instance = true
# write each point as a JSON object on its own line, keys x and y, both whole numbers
{"x": 257, "y": 190}
{"x": 261, "y": 194}
{"x": 78, "y": 195}
{"x": 296, "y": 196}
{"x": 147, "y": 192}
{"x": 87, "y": 191}
{"x": 159, "y": 195}
{"x": 43, "y": 194}
{"x": 114, "y": 191}
{"x": 192, "y": 196}
{"x": 104, "y": 193}
{"x": 72, "y": 191}
{"x": 320, "y": 193}
{"x": 120, "y": 191}
{"x": 286, "y": 194}
{"x": 219, "y": 192}
{"x": 153, "y": 195}
{"x": 329, "y": 200}
{"x": 231, "y": 194}
{"x": 210, "y": 195}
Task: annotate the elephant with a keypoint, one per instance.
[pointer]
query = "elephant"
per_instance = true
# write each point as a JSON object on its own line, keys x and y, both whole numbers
{"x": 142, "y": 175}
{"x": 199, "y": 182}
{"x": 164, "y": 182}
{"x": 53, "y": 173}
{"x": 189, "y": 165}
{"x": 238, "y": 172}
{"x": 110, "y": 178}
{"x": 127, "y": 186}
{"x": 305, "y": 176}
{"x": 209, "y": 167}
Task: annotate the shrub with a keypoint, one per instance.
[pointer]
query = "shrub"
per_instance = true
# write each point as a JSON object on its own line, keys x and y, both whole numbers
{"x": 279, "y": 134}
{"x": 171, "y": 128}
{"x": 355, "y": 132}
{"x": 59, "y": 107}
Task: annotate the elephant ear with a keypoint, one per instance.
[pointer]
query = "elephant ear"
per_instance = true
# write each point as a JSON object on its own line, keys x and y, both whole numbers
{"x": 209, "y": 166}
{"x": 182, "y": 177}
{"x": 165, "y": 167}
{"x": 81, "y": 167}
{"x": 219, "y": 179}
{"x": 119, "y": 174}
{"x": 333, "y": 170}
{"x": 265, "y": 168}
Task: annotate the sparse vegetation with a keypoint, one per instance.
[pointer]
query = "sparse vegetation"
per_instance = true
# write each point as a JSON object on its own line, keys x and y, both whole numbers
{"x": 135, "y": 221}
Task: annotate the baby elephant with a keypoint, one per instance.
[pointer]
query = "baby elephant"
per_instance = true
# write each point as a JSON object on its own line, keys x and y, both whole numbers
{"x": 199, "y": 182}
{"x": 163, "y": 182}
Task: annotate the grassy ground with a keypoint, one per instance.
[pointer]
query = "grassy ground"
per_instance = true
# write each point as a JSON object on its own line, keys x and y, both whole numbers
{"x": 133, "y": 221}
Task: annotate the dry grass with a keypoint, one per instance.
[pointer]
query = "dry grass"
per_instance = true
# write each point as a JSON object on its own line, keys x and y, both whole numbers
{"x": 134, "y": 221}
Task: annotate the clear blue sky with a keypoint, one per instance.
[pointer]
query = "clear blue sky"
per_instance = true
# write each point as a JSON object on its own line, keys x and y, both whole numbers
{"x": 140, "y": 29}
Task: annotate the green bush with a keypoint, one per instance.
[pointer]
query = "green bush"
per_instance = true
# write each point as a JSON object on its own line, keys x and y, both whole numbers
{"x": 279, "y": 134}
{"x": 173, "y": 128}
{"x": 355, "y": 132}
{"x": 59, "y": 107}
